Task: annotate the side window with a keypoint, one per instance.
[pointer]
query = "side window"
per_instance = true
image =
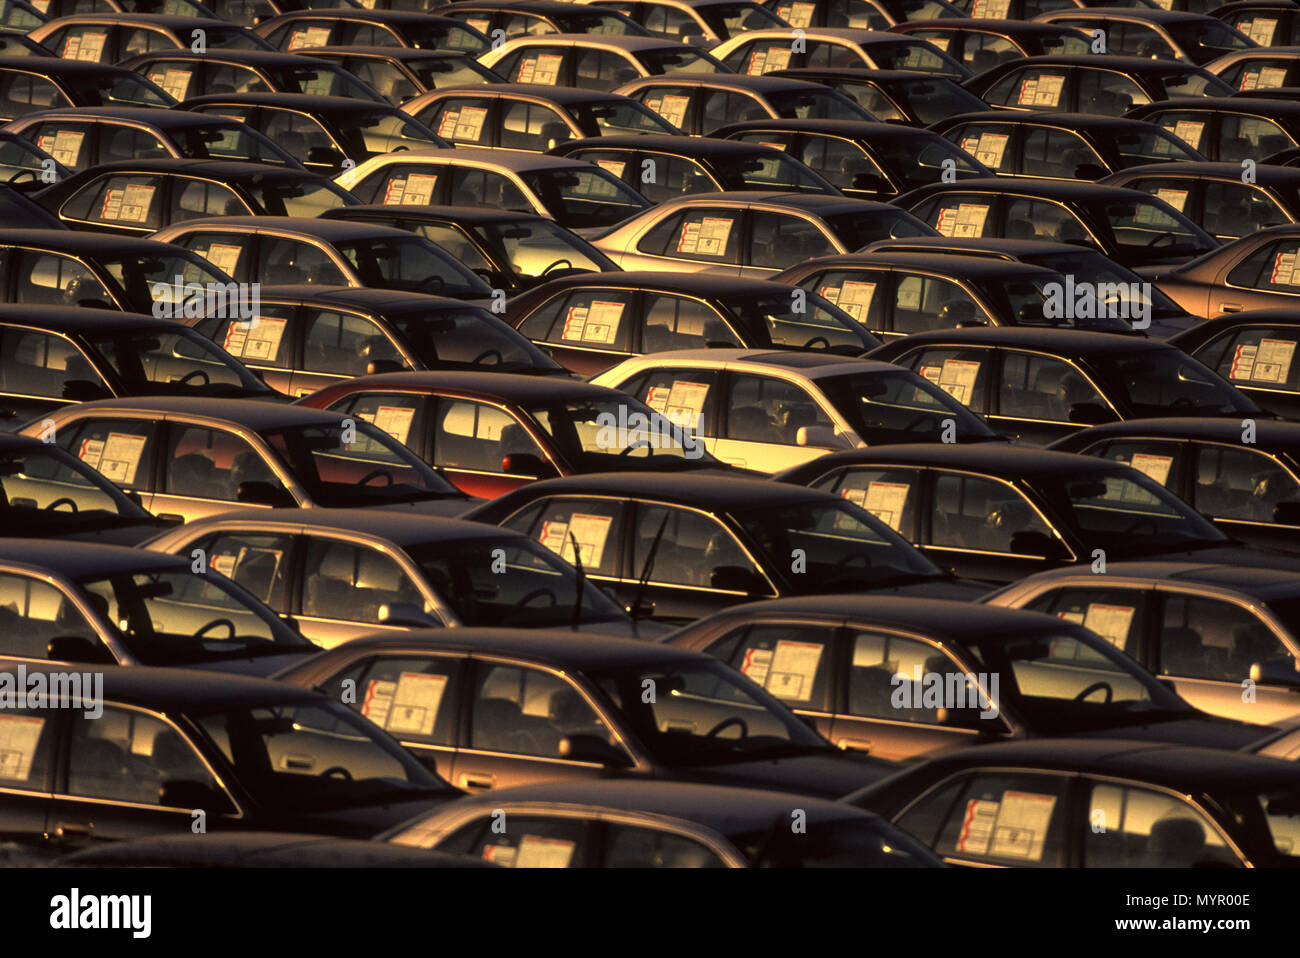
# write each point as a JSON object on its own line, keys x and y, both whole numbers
{"x": 961, "y": 215}
{"x": 1056, "y": 153}
{"x": 601, "y": 70}
{"x": 213, "y": 464}
{"x": 88, "y": 42}
{"x": 143, "y": 40}
{"x": 126, "y": 200}
{"x": 887, "y": 678}
{"x": 345, "y": 344}
{"x": 962, "y": 373}
{"x": 351, "y": 583}
{"x": 401, "y": 416}
{"x": 407, "y": 185}
{"x": 29, "y": 738}
{"x": 22, "y": 93}
{"x": 227, "y": 78}
{"x": 31, "y": 613}
{"x": 1042, "y": 220}
{"x": 1158, "y": 460}
{"x": 1238, "y": 484}
{"x": 853, "y": 291}
{"x": 1007, "y": 819}
{"x": 42, "y": 364}
{"x": 635, "y": 846}
{"x": 303, "y": 34}
{"x": 1262, "y": 356}
{"x": 792, "y": 662}
{"x": 1137, "y": 39}
{"x": 463, "y": 120}
{"x": 688, "y": 397}
{"x": 477, "y": 436}
{"x": 1144, "y": 828}
{"x": 527, "y": 842}
{"x": 692, "y": 546}
{"x": 1042, "y": 388}
{"x": 413, "y": 699}
{"x": 296, "y": 133}
{"x": 663, "y": 178}
{"x": 541, "y": 65}
{"x": 762, "y": 409}
{"x": 66, "y": 142}
{"x": 1117, "y": 615}
{"x": 1039, "y": 90}
{"x": 228, "y": 252}
{"x": 987, "y": 142}
{"x": 839, "y": 161}
{"x": 526, "y": 711}
{"x": 293, "y": 261}
{"x": 1005, "y": 91}
{"x": 984, "y": 51}
{"x": 1271, "y": 268}
{"x": 1247, "y": 137}
{"x": 777, "y": 240}
{"x": 485, "y": 188}
{"x": 926, "y": 302}
{"x": 595, "y": 319}
{"x": 662, "y": 238}
{"x": 888, "y": 494}
{"x": 119, "y": 448}
{"x": 721, "y": 107}
{"x": 192, "y": 199}
{"x": 675, "y": 322}
{"x": 1235, "y": 209}
{"x": 530, "y": 126}
{"x": 1187, "y": 125}
{"x": 1107, "y": 93}
{"x": 260, "y": 563}
{"x": 1208, "y": 639}
{"x": 983, "y": 515}
{"x": 708, "y": 234}
{"x": 595, "y": 525}
{"x": 119, "y": 143}
{"x": 260, "y": 342}
{"x": 127, "y": 755}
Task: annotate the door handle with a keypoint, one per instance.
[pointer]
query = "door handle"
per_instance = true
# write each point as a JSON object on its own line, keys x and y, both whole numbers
{"x": 70, "y": 830}
{"x": 172, "y": 517}
{"x": 856, "y": 744}
{"x": 476, "y": 780}
{"x": 1231, "y": 307}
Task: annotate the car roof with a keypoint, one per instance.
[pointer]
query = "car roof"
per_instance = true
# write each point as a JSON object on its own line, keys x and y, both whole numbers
{"x": 80, "y": 319}
{"x": 1267, "y": 431}
{"x": 354, "y": 13}
{"x": 1262, "y": 582}
{"x": 118, "y": 18}
{"x": 847, "y": 128}
{"x": 704, "y": 284}
{"x": 400, "y": 527}
{"x": 331, "y": 231}
{"x": 187, "y": 690}
{"x": 53, "y": 66}
{"x": 994, "y": 458}
{"x": 363, "y": 297}
{"x": 974, "y": 267}
{"x": 306, "y": 102}
{"x": 1101, "y": 61}
{"x": 1075, "y": 121}
{"x": 461, "y": 214}
{"x": 237, "y": 171}
{"x": 248, "y": 57}
{"x": 1073, "y": 342}
{"x": 631, "y": 44}
{"x": 557, "y": 94}
{"x": 763, "y": 83}
{"x": 715, "y": 493}
{"x": 861, "y": 73}
{"x": 163, "y": 119}
{"x": 252, "y": 413}
{"x": 691, "y": 146}
{"x": 1233, "y": 104}
{"x": 996, "y": 244}
{"x": 817, "y": 203}
{"x": 396, "y": 53}
{"x": 511, "y": 387}
{"x": 812, "y": 364}
{"x": 1265, "y": 174}
{"x": 1057, "y": 189}
{"x": 83, "y": 242}
{"x": 516, "y": 162}
{"x": 1142, "y": 13}
{"x": 78, "y": 560}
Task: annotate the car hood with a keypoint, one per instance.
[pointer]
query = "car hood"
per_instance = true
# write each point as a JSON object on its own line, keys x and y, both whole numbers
{"x": 1232, "y": 555}
{"x": 258, "y": 666}
{"x": 120, "y": 535}
{"x": 647, "y": 629}
{"x": 357, "y": 821}
{"x": 961, "y": 590}
{"x": 824, "y": 775}
{"x": 449, "y": 508}
{"x": 1205, "y": 731}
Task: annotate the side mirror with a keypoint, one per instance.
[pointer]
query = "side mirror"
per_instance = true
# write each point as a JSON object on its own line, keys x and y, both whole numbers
{"x": 1089, "y": 171}
{"x": 325, "y": 156}
{"x": 1276, "y": 672}
{"x": 1090, "y": 414}
{"x": 870, "y": 182}
{"x": 526, "y": 464}
{"x": 590, "y": 748}
{"x": 262, "y": 493}
{"x": 186, "y": 793}
{"x": 1034, "y": 543}
{"x": 1287, "y": 513}
{"x": 377, "y": 366}
{"x": 735, "y": 578}
{"x": 78, "y": 648}
{"x": 820, "y": 436}
{"x": 406, "y": 614}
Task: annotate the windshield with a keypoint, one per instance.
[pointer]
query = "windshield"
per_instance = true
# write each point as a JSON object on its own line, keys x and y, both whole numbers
{"x": 609, "y": 434}
{"x": 437, "y": 72}
{"x": 536, "y": 247}
{"x": 145, "y": 281}
{"x": 603, "y": 118}
{"x": 856, "y": 230}
{"x": 919, "y": 160}
{"x": 283, "y": 197}
{"x": 844, "y": 547}
{"x": 283, "y": 752}
{"x": 657, "y": 62}
{"x": 48, "y": 492}
{"x": 703, "y": 712}
{"x": 355, "y": 464}
{"x": 1271, "y": 817}
{"x": 898, "y": 407}
{"x": 237, "y": 142}
{"x": 414, "y": 264}
{"x": 1149, "y": 226}
{"x": 915, "y": 55}
{"x": 467, "y": 338}
{"x": 108, "y": 89}
{"x": 1127, "y": 287}
{"x": 1129, "y": 514}
{"x": 1167, "y": 382}
{"x": 374, "y": 133}
{"x": 584, "y": 197}
{"x": 1150, "y": 146}
{"x": 1030, "y": 298}
{"x": 512, "y": 582}
{"x": 841, "y": 843}
{"x": 180, "y": 362}
{"x": 1202, "y": 40}
{"x": 816, "y": 105}
{"x": 818, "y": 325}
{"x": 321, "y": 79}
{"x": 1192, "y": 82}
{"x": 179, "y": 617}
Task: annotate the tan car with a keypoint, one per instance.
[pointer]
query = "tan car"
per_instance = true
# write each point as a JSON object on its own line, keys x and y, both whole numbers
{"x": 592, "y": 62}
{"x": 1255, "y": 272}
{"x": 756, "y": 52}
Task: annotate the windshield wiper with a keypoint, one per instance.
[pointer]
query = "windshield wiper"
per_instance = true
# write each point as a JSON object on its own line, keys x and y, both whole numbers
{"x": 582, "y": 578}
{"x": 649, "y": 567}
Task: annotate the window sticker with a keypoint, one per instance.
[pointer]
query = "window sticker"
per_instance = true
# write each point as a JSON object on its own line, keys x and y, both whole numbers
{"x": 378, "y": 703}
{"x": 42, "y": 6}
{"x": 502, "y": 855}
{"x": 673, "y": 108}
{"x": 907, "y": 295}
{"x": 1189, "y": 131}
{"x": 1155, "y": 467}
{"x": 797, "y": 14}
{"x": 129, "y": 205}
{"x": 394, "y": 420}
{"x": 256, "y": 340}
{"x": 1260, "y": 29}
{"x": 965, "y": 220}
{"x": 224, "y": 256}
{"x": 1286, "y": 269}
{"x": 707, "y": 237}
{"x": 544, "y": 68}
{"x": 88, "y": 46}
{"x": 537, "y": 852}
{"x": 957, "y": 379}
{"x": 309, "y": 37}
{"x": 932, "y": 373}
{"x": 173, "y": 81}
{"x": 590, "y": 531}
{"x": 1263, "y": 78}
{"x": 595, "y": 323}
{"x": 1111, "y": 622}
{"x": 886, "y": 501}
{"x": 612, "y": 166}
{"x": 415, "y": 190}
{"x": 1273, "y": 361}
{"x": 990, "y": 9}
{"x": 685, "y": 403}
{"x": 1243, "y": 362}
{"x": 19, "y": 736}
{"x": 415, "y": 703}
{"x": 990, "y": 149}
{"x": 756, "y": 61}
{"x": 117, "y": 457}
{"x": 793, "y": 668}
{"x": 940, "y": 42}
{"x": 778, "y": 58}
{"x": 447, "y": 123}
{"x": 1075, "y": 617}
{"x": 1175, "y": 198}
{"x": 1021, "y": 827}
{"x": 657, "y": 398}
{"x": 463, "y": 124}
{"x": 1043, "y": 90}
{"x": 854, "y": 297}
{"x": 64, "y": 146}
{"x": 756, "y": 664}
{"x": 978, "y": 821}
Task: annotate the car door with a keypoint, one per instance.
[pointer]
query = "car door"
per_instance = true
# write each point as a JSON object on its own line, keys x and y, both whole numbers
{"x": 1265, "y": 278}
{"x": 1040, "y": 399}
{"x": 517, "y": 718}
{"x": 340, "y": 345}
{"x": 123, "y": 450}
{"x": 763, "y": 418}
{"x": 37, "y": 610}
{"x": 586, "y": 330}
{"x": 474, "y": 442}
{"x": 1241, "y": 491}
{"x": 845, "y": 164}
{"x": 265, "y": 345}
{"x": 27, "y": 776}
{"x": 206, "y": 471}
{"x": 23, "y": 93}
{"x": 1232, "y": 210}
{"x": 42, "y": 371}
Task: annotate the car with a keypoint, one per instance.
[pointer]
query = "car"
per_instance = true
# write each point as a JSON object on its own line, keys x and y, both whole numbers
{"x": 767, "y": 411}
{"x": 51, "y": 494}
{"x": 490, "y": 433}
{"x": 187, "y": 457}
{"x": 343, "y": 573}
{"x": 510, "y": 251}
{"x": 1252, "y": 273}
{"x": 1159, "y": 34}
{"x": 32, "y": 84}
{"x": 61, "y": 267}
{"x": 324, "y": 133}
{"x": 529, "y": 116}
{"x": 591, "y": 62}
{"x": 96, "y": 604}
{"x": 1217, "y": 198}
{"x": 1266, "y": 23}
{"x": 893, "y": 96}
{"x": 517, "y": 18}
{"x": 579, "y": 196}
{"x": 308, "y": 337}
{"x": 701, "y": 104}
{"x": 55, "y": 9}
{"x": 875, "y": 161}
{"x": 1133, "y": 228}
{"x": 924, "y": 291}
{"x": 1229, "y": 129}
{"x": 659, "y": 825}
{"x": 400, "y": 73}
{"x": 299, "y": 249}
{"x": 751, "y": 234}
{"x": 1071, "y": 146}
{"x": 113, "y": 37}
{"x": 1130, "y": 805}
{"x": 1208, "y": 629}
{"x": 117, "y": 133}
{"x": 907, "y": 678}
{"x": 169, "y": 741}
{"x": 761, "y": 51}
{"x": 1027, "y": 9}
{"x": 1244, "y": 478}
{"x": 670, "y": 312}
{"x": 17, "y": 209}
{"x": 51, "y": 356}
{"x": 545, "y": 706}
{"x": 1231, "y": 344}
{"x": 981, "y": 44}
{"x": 998, "y": 513}
{"x": 860, "y": 14}
{"x": 185, "y": 73}
{"x": 296, "y": 30}
{"x": 661, "y": 168}
{"x": 1092, "y": 83}
{"x": 140, "y": 197}
{"x": 1258, "y": 69}
{"x": 702, "y": 23}
{"x": 1037, "y": 385}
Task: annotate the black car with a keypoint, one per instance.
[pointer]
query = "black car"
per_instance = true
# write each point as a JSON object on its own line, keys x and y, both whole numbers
{"x": 112, "y": 37}
{"x": 980, "y": 44}
{"x": 1037, "y": 385}
{"x": 249, "y": 753}
{"x": 1231, "y": 345}
{"x": 303, "y": 29}
{"x": 32, "y": 84}
{"x": 1230, "y": 129}
{"x": 893, "y": 96}
{"x": 1268, "y": 23}
{"x": 1000, "y": 512}
{"x": 689, "y": 545}
{"x": 1097, "y": 804}
{"x": 515, "y": 18}
{"x": 1245, "y": 477}
{"x": 262, "y": 850}
{"x": 17, "y": 211}
{"x": 399, "y": 74}
{"x": 184, "y": 73}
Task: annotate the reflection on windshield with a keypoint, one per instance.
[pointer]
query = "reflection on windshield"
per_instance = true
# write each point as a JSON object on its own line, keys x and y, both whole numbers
{"x": 1126, "y": 512}
{"x": 299, "y": 199}
{"x": 856, "y": 230}
{"x": 612, "y": 433}
{"x": 1169, "y": 383}
{"x": 884, "y": 408}
{"x": 57, "y": 491}
{"x": 413, "y": 264}
{"x": 472, "y": 337}
{"x": 817, "y": 325}
{"x": 181, "y": 362}
{"x": 540, "y": 246}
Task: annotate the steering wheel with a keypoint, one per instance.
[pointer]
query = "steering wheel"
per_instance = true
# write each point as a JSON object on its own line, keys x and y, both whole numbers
{"x": 213, "y": 624}
{"x": 336, "y": 771}
{"x": 430, "y": 280}
{"x": 58, "y": 502}
{"x": 640, "y": 443}
{"x": 489, "y": 352}
{"x": 17, "y": 177}
{"x": 558, "y": 262}
{"x": 534, "y": 594}
{"x": 727, "y": 723}
{"x": 817, "y": 339}
{"x": 375, "y": 474}
{"x": 1110, "y": 692}
{"x": 1162, "y": 237}
{"x": 196, "y": 372}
